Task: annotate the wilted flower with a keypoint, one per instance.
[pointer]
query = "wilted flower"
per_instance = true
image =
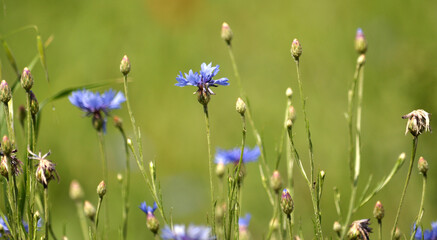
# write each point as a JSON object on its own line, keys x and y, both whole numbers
{"x": 418, "y": 122}
{"x": 94, "y": 104}
{"x": 16, "y": 164}
{"x": 359, "y": 230}
{"x": 430, "y": 234}
{"x": 46, "y": 169}
{"x": 193, "y": 232}
{"x": 152, "y": 222}
{"x": 233, "y": 155}
{"x": 203, "y": 80}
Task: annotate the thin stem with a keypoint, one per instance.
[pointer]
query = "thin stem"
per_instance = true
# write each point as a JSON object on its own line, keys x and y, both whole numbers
{"x": 46, "y": 212}
{"x": 82, "y": 220}
{"x": 105, "y": 177}
{"x": 407, "y": 180}
{"x": 349, "y": 212}
{"x": 126, "y": 184}
{"x": 99, "y": 204}
{"x": 276, "y": 206}
{"x": 290, "y": 226}
{"x": 380, "y": 229}
{"x": 211, "y": 186}
{"x": 351, "y": 103}
{"x": 422, "y": 201}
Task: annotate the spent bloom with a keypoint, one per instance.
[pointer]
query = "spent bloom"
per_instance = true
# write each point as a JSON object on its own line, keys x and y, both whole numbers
{"x": 46, "y": 169}
{"x": 16, "y": 164}
{"x": 233, "y": 155}
{"x": 418, "y": 122}
{"x": 202, "y": 80}
{"x": 428, "y": 234}
{"x": 359, "y": 230}
{"x": 95, "y": 103}
{"x": 180, "y": 232}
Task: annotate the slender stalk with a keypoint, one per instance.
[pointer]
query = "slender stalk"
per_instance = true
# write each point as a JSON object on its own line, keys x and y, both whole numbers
{"x": 211, "y": 186}
{"x": 99, "y": 205}
{"x": 46, "y": 212}
{"x": 105, "y": 178}
{"x": 422, "y": 201}
{"x": 275, "y": 214}
{"x": 126, "y": 185}
{"x": 290, "y": 226}
{"x": 407, "y": 180}
{"x": 82, "y": 220}
{"x": 380, "y": 229}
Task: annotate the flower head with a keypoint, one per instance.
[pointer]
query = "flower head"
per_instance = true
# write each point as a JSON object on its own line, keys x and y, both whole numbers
{"x": 202, "y": 80}
{"x": 243, "y": 222}
{"x": 359, "y": 230}
{"x": 46, "y": 169}
{"x": 149, "y": 210}
{"x": 233, "y": 155}
{"x": 16, "y": 164}
{"x": 427, "y": 234}
{"x": 193, "y": 232}
{"x": 152, "y": 222}
{"x": 360, "y": 42}
{"x": 418, "y": 122}
{"x": 95, "y": 103}
{"x": 5, "y": 230}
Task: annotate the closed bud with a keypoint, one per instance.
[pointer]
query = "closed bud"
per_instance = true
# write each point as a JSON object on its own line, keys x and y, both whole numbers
{"x": 322, "y": 174}
{"x": 361, "y": 60}
{"x": 152, "y": 223}
{"x": 101, "y": 189}
{"x": 287, "y": 204}
{"x": 337, "y": 227}
{"x": 125, "y": 65}
{"x": 120, "y": 177}
{"x": 5, "y": 92}
{"x": 4, "y": 170}
{"x": 291, "y": 114}
{"x": 89, "y": 210}
{"x": 26, "y": 79}
{"x": 36, "y": 216}
{"x": 118, "y": 122}
{"x": 76, "y": 192}
{"x": 289, "y": 93}
{"x": 34, "y": 106}
{"x": 240, "y": 106}
{"x": 226, "y": 33}
{"x": 296, "y": 49}
{"x": 398, "y": 234}
{"x": 276, "y": 181}
{"x": 129, "y": 142}
{"x": 422, "y": 165}
{"x": 378, "y": 211}
{"x": 6, "y": 145}
{"x": 220, "y": 170}
{"x": 360, "y": 42}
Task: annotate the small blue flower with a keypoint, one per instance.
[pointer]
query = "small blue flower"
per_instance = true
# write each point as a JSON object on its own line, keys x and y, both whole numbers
{"x": 96, "y": 103}
{"x": 233, "y": 155}
{"x": 25, "y": 225}
{"x": 193, "y": 232}
{"x": 148, "y": 209}
{"x": 427, "y": 234}
{"x": 202, "y": 80}
{"x": 243, "y": 222}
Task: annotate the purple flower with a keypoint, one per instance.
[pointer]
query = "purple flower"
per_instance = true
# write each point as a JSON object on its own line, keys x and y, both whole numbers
{"x": 243, "y": 222}
{"x": 6, "y": 232}
{"x": 96, "y": 103}
{"x": 148, "y": 209}
{"x": 233, "y": 155}
{"x": 202, "y": 80}
{"x": 427, "y": 234}
{"x": 193, "y": 232}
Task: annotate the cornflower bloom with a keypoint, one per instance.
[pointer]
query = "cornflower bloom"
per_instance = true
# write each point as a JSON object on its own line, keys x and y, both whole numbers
{"x": 193, "y": 232}
{"x": 46, "y": 169}
{"x": 5, "y": 230}
{"x": 152, "y": 222}
{"x": 427, "y": 234}
{"x": 233, "y": 155}
{"x": 203, "y": 81}
{"x": 95, "y": 103}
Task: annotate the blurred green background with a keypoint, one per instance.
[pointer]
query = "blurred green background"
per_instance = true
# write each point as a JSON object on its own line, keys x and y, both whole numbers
{"x": 163, "y": 37}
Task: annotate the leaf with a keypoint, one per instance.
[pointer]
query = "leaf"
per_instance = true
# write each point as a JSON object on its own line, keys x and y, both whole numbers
{"x": 11, "y": 57}
{"x": 42, "y": 55}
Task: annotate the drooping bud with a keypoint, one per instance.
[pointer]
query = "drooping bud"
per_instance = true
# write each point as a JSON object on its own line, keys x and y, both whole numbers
{"x": 220, "y": 170}
{"x": 359, "y": 230}
{"x": 289, "y": 93}
{"x": 398, "y": 234}
{"x": 296, "y": 49}
{"x": 360, "y": 42}
{"x": 337, "y": 227}
{"x": 226, "y": 33}
{"x": 378, "y": 211}
{"x": 422, "y": 165}
{"x": 125, "y": 65}
{"x": 118, "y": 122}
{"x": 5, "y": 92}
{"x": 89, "y": 210}
{"x": 76, "y": 192}
{"x": 287, "y": 203}
{"x": 34, "y": 106}
{"x": 26, "y": 79}
{"x": 101, "y": 189}
{"x": 361, "y": 60}
{"x": 418, "y": 122}
{"x": 6, "y": 145}
{"x": 276, "y": 181}
{"x": 240, "y": 106}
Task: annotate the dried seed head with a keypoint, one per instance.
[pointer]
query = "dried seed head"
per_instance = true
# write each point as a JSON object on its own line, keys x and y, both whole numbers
{"x": 378, "y": 211}
{"x": 89, "y": 210}
{"x": 422, "y": 164}
{"x": 26, "y": 79}
{"x": 125, "y": 65}
{"x": 296, "y": 49}
{"x": 276, "y": 181}
{"x": 418, "y": 122}
{"x": 360, "y": 42}
{"x": 287, "y": 203}
{"x": 240, "y": 106}
{"x": 101, "y": 189}
{"x": 359, "y": 230}
{"x": 5, "y": 92}
{"x": 226, "y": 33}
{"x": 76, "y": 192}
{"x": 46, "y": 170}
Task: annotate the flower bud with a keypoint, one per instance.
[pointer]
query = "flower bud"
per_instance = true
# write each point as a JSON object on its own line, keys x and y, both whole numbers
{"x": 89, "y": 210}
{"x": 220, "y": 170}
{"x": 360, "y": 42}
{"x": 4, "y": 170}
{"x": 118, "y": 122}
{"x": 120, "y": 177}
{"x": 398, "y": 234}
{"x": 322, "y": 174}
{"x": 26, "y": 79}
{"x": 296, "y": 49}
{"x": 378, "y": 211}
{"x": 422, "y": 165}
{"x": 125, "y": 65}
{"x": 152, "y": 223}
{"x": 287, "y": 204}
{"x": 6, "y": 145}
{"x": 5, "y": 92}
{"x": 291, "y": 114}
{"x": 34, "y": 106}
{"x": 240, "y": 106}
{"x": 289, "y": 93}
{"x": 288, "y": 123}
{"x": 220, "y": 212}
{"x": 361, "y": 60}
{"x": 101, "y": 189}
{"x": 76, "y": 192}
{"x": 37, "y": 216}
{"x": 226, "y": 33}
{"x": 276, "y": 181}
{"x": 337, "y": 227}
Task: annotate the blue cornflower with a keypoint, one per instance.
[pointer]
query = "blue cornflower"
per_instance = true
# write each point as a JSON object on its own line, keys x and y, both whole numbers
{"x": 233, "y": 155}
{"x": 148, "y": 209}
{"x": 96, "y": 103}
{"x": 203, "y": 80}
{"x": 243, "y": 222}
{"x": 191, "y": 233}
{"x": 6, "y": 231}
{"x": 427, "y": 234}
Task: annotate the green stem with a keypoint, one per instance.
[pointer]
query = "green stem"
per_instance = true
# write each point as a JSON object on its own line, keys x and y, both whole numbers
{"x": 290, "y": 226}
{"x": 380, "y": 229}
{"x": 211, "y": 186}
{"x": 422, "y": 201}
{"x": 275, "y": 213}
{"x": 407, "y": 180}
{"x": 46, "y": 212}
{"x": 126, "y": 184}
{"x": 99, "y": 205}
{"x": 82, "y": 220}
{"x": 105, "y": 178}
{"x": 351, "y": 101}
